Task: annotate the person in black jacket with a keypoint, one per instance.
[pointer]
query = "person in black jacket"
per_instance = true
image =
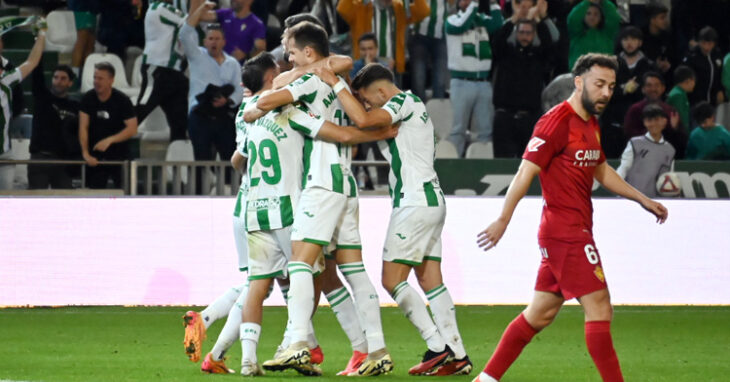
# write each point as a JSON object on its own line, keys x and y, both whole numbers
{"x": 55, "y": 128}
{"x": 520, "y": 52}
{"x": 632, "y": 65}
{"x": 706, "y": 60}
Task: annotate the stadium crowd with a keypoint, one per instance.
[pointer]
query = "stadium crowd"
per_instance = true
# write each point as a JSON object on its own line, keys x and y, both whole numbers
{"x": 499, "y": 63}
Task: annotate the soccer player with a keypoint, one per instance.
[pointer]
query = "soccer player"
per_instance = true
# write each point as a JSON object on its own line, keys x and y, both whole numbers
{"x": 328, "y": 211}
{"x": 565, "y": 151}
{"x": 413, "y": 241}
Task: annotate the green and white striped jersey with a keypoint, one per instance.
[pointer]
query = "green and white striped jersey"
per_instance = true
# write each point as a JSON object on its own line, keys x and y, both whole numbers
{"x": 433, "y": 25}
{"x": 327, "y": 165}
{"x": 275, "y": 165}
{"x": 412, "y": 179}
{"x": 7, "y": 79}
{"x": 241, "y": 129}
{"x": 162, "y": 25}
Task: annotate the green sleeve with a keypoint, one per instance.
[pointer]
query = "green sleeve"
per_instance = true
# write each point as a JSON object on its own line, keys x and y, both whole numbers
{"x": 612, "y": 18}
{"x": 726, "y": 76}
{"x": 458, "y": 24}
{"x": 575, "y": 18}
{"x": 494, "y": 21}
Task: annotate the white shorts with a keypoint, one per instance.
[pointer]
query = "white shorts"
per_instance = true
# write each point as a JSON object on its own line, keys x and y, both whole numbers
{"x": 325, "y": 217}
{"x": 240, "y": 237}
{"x": 269, "y": 253}
{"x": 414, "y": 234}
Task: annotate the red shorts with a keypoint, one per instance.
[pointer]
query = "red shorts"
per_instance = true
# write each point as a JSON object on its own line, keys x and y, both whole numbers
{"x": 572, "y": 269}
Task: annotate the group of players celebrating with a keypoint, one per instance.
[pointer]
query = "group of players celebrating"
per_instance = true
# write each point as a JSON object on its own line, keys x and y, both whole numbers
{"x": 296, "y": 217}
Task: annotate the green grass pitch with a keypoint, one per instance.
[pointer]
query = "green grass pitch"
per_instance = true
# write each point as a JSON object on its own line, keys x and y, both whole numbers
{"x": 145, "y": 344}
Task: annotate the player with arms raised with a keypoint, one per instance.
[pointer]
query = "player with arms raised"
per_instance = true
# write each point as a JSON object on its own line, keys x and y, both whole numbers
{"x": 565, "y": 151}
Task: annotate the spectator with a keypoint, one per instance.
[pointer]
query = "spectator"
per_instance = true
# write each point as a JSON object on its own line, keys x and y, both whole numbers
{"x": 164, "y": 83}
{"x": 706, "y": 62}
{"x": 557, "y": 91}
{"x": 648, "y": 156}
{"x": 520, "y": 51}
{"x": 684, "y": 77}
{"x": 428, "y": 45}
{"x": 470, "y": 61}
{"x": 85, "y": 20}
{"x": 710, "y": 141}
{"x": 368, "y": 45}
{"x": 215, "y": 89}
{"x": 106, "y": 123}
{"x": 592, "y": 26}
{"x": 121, "y": 25}
{"x": 653, "y": 89}
{"x": 658, "y": 45}
{"x": 244, "y": 32}
{"x": 388, "y": 20}
{"x": 18, "y": 104}
{"x": 632, "y": 65}
{"x": 726, "y": 75}
{"x": 336, "y": 27}
{"x": 536, "y": 11}
{"x": 55, "y": 128}
{"x": 9, "y": 78}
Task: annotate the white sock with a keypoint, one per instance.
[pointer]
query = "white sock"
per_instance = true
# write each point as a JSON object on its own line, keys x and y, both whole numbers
{"x": 301, "y": 300}
{"x": 250, "y": 332}
{"x": 311, "y": 338}
{"x": 444, "y": 314}
{"x": 484, "y": 377}
{"x": 412, "y": 306}
{"x": 367, "y": 302}
{"x": 221, "y": 306}
{"x": 341, "y": 303}
{"x": 286, "y": 341}
{"x": 230, "y": 330}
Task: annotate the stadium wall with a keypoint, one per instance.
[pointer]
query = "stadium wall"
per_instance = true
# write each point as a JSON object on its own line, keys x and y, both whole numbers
{"x": 180, "y": 251}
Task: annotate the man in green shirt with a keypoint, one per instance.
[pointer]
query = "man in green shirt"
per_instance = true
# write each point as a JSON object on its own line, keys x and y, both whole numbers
{"x": 684, "y": 77}
{"x": 710, "y": 141}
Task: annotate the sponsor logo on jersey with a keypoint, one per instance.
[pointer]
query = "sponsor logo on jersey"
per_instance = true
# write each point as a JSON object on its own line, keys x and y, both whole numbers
{"x": 586, "y": 158}
{"x": 535, "y": 144}
{"x": 309, "y": 214}
{"x": 400, "y": 236}
{"x": 263, "y": 204}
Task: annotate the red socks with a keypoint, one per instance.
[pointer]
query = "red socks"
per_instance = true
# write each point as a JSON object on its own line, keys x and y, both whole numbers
{"x": 600, "y": 346}
{"x": 517, "y": 335}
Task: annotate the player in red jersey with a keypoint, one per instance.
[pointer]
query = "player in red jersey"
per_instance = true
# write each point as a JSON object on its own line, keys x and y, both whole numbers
{"x": 565, "y": 151}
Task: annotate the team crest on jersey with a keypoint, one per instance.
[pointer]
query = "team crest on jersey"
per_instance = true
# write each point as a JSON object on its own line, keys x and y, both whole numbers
{"x": 535, "y": 144}
{"x": 599, "y": 273}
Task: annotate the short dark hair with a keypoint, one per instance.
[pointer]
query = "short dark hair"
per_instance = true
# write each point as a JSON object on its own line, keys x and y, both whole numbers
{"x": 655, "y": 9}
{"x": 653, "y": 110}
{"x": 652, "y": 74}
{"x": 213, "y": 27}
{"x": 370, "y": 73}
{"x": 301, "y": 17}
{"x": 683, "y": 73}
{"x": 106, "y": 66}
{"x": 707, "y": 33}
{"x": 253, "y": 71}
{"x": 702, "y": 111}
{"x": 526, "y": 21}
{"x": 307, "y": 34}
{"x": 587, "y": 61}
{"x": 368, "y": 36}
{"x": 631, "y": 32}
{"x": 66, "y": 69}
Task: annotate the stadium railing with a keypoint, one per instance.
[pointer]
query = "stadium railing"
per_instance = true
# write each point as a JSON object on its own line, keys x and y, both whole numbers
{"x": 158, "y": 177}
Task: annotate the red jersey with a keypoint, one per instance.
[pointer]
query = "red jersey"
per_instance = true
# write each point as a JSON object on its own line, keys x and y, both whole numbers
{"x": 567, "y": 149}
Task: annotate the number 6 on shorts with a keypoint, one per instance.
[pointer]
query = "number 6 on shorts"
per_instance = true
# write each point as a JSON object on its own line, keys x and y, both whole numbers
{"x": 591, "y": 254}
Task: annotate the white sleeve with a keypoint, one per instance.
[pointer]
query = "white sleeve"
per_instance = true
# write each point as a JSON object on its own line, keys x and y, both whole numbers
{"x": 305, "y": 88}
{"x": 12, "y": 77}
{"x": 627, "y": 160}
{"x": 305, "y": 122}
{"x": 394, "y": 107}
